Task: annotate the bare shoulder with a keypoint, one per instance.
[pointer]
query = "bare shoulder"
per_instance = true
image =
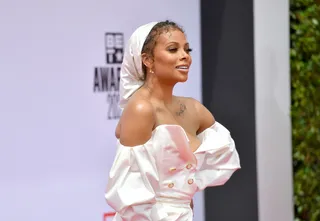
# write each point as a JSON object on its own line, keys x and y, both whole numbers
{"x": 205, "y": 117}
{"x": 137, "y": 122}
{"x": 189, "y": 101}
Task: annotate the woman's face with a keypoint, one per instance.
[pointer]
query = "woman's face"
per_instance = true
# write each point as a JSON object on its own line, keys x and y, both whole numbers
{"x": 172, "y": 60}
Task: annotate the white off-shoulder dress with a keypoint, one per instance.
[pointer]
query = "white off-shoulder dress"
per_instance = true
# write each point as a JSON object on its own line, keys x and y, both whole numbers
{"x": 156, "y": 181}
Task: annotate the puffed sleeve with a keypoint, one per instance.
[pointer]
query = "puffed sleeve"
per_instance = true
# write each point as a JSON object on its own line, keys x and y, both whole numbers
{"x": 132, "y": 179}
{"x": 217, "y": 157}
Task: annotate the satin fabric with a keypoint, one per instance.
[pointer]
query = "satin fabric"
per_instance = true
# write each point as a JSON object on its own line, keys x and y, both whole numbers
{"x": 131, "y": 67}
{"x": 156, "y": 181}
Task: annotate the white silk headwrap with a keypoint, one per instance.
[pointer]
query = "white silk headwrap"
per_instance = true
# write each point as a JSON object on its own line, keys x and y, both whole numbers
{"x": 131, "y": 68}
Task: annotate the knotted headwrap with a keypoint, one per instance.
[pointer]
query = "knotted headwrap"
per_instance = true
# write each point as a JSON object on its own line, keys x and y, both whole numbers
{"x": 131, "y": 68}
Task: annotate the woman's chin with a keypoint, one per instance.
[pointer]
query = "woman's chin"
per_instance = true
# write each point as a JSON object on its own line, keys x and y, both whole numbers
{"x": 183, "y": 78}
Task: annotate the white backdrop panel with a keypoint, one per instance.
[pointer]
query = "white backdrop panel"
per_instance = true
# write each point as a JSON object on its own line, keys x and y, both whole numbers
{"x": 273, "y": 121}
{"x": 57, "y": 143}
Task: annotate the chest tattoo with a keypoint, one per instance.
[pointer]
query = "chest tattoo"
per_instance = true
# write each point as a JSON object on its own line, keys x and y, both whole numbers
{"x": 182, "y": 109}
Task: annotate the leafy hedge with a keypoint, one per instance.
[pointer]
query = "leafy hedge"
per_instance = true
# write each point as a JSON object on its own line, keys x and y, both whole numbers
{"x": 305, "y": 107}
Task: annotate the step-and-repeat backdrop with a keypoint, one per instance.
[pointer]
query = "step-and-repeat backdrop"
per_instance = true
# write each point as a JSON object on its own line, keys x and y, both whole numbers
{"x": 59, "y": 84}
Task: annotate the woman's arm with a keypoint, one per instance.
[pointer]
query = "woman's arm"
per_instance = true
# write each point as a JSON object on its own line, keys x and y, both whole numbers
{"x": 137, "y": 122}
{"x": 205, "y": 117}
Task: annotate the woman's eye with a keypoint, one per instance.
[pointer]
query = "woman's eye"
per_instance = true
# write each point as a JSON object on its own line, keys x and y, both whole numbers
{"x": 173, "y": 49}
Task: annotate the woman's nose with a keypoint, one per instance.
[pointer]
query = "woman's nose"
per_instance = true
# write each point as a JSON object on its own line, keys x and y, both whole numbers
{"x": 184, "y": 55}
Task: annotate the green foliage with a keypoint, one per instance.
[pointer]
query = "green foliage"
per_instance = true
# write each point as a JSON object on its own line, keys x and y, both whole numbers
{"x": 305, "y": 107}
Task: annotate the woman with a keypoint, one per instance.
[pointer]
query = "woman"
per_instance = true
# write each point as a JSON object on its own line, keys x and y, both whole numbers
{"x": 169, "y": 147}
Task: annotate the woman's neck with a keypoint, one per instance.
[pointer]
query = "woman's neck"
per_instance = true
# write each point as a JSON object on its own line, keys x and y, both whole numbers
{"x": 160, "y": 91}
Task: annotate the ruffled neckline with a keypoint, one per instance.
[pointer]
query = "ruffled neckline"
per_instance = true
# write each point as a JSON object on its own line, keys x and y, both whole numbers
{"x": 155, "y": 130}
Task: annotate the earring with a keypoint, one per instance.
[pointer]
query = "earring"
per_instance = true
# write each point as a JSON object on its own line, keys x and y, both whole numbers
{"x": 151, "y": 71}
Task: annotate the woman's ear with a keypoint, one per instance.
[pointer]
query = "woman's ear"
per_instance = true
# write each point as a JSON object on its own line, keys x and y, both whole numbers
{"x": 147, "y": 60}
